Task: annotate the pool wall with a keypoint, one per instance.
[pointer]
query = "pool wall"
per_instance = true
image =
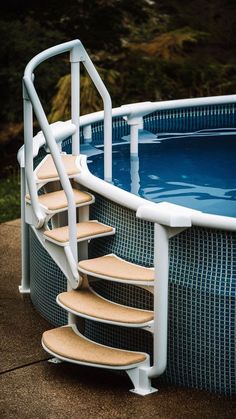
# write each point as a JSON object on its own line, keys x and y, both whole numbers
{"x": 202, "y": 280}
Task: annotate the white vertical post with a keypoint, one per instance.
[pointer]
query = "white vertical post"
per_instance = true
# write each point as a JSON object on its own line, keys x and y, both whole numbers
{"x": 107, "y": 115}
{"x": 134, "y": 140}
{"x": 161, "y": 263}
{"x": 24, "y": 288}
{"x": 107, "y": 139}
{"x": 135, "y": 124}
{"x": 28, "y": 140}
{"x": 75, "y": 98}
{"x": 163, "y": 220}
{"x": 134, "y": 171}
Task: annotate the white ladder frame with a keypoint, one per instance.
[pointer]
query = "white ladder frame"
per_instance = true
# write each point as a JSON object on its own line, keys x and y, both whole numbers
{"x": 32, "y": 104}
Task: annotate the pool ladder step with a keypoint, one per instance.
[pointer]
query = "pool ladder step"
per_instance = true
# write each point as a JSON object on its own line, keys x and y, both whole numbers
{"x": 46, "y": 171}
{"x": 54, "y": 202}
{"x": 87, "y": 303}
{"x": 67, "y": 343}
{"x": 113, "y": 268}
{"x": 85, "y": 230}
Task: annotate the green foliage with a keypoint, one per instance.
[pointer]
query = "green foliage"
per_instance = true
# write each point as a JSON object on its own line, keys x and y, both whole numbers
{"x": 89, "y": 97}
{"x": 150, "y": 49}
{"x": 20, "y": 41}
{"x": 135, "y": 39}
{"x": 168, "y": 45}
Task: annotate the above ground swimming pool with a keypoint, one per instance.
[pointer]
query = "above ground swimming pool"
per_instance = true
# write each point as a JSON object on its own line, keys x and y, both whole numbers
{"x": 186, "y": 157}
{"x": 181, "y": 152}
{"x": 193, "y": 170}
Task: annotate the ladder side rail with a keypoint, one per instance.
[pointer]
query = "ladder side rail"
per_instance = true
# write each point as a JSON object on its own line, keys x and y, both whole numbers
{"x": 66, "y": 185}
{"x": 75, "y": 58}
{"x": 77, "y": 54}
{"x": 31, "y": 101}
{"x": 28, "y": 157}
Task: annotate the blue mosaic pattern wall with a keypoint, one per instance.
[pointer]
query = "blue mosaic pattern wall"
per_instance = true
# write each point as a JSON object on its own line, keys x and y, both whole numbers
{"x": 47, "y": 281}
{"x": 202, "y": 295}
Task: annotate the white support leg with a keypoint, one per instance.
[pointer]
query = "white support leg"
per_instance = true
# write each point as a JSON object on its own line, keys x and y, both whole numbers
{"x": 135, "y": 179}
{"x": 83, "y": 246}
{"x": 135, "y": 124}
{"x": 134, "y": 140}
{"x": 87, "y": 131}
{"x": 71, "y": 318}
{"x": 141, "y": 381}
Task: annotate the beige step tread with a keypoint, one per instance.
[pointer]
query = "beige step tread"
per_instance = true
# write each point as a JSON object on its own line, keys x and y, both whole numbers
{"x": 86, "y": 302}
{"x": 64, "y": 342}
{"x": 113, "y": 267}
{"x": 54, "y": 201}
{"x": 86, "y": 229}
{"x": 47, "y": 169}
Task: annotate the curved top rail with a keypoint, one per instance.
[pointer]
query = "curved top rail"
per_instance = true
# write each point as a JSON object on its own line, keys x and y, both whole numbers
{"x": 139, "y": 110}
{"x": 134, "y": 110}
{"x": 48, "y": 53}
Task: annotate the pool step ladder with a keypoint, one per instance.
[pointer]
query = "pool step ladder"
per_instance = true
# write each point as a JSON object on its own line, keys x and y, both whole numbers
{"x": 66, "y": 343}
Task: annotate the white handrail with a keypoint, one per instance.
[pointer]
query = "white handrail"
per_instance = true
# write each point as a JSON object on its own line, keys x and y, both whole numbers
{"x": 31, "y": 99}
{"x": 66, "y": 185}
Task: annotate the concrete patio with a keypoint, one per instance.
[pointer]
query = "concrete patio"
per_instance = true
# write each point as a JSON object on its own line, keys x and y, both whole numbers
{"x": 33, "y": 388}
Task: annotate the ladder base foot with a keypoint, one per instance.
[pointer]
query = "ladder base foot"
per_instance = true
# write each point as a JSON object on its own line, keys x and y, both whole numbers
{"x": 143, "y": 392}
{"x": 23, "y": 290}
{"x": 55, "y": 360}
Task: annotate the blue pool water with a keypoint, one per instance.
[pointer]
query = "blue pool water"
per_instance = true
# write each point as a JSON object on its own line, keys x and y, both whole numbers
{"x": 197, "y": 171}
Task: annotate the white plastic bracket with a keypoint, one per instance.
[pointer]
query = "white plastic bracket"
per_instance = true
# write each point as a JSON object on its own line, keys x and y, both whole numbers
{"x": 135, "y": 125}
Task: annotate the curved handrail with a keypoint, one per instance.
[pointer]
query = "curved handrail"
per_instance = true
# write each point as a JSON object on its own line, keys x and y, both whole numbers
{"x": 32, "y": 102}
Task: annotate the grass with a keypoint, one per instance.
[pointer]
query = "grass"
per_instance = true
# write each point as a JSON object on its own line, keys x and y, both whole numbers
{"x": 10, "y": 195}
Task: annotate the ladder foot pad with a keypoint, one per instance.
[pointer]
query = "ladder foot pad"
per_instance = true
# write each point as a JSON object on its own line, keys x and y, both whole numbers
{"x": 47, "y": 169}
{"x": 86, "y": 229}
{"x": 64, "y": 342}
{"x": 113, "y": 267}
{"x": 86, "y": 302}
